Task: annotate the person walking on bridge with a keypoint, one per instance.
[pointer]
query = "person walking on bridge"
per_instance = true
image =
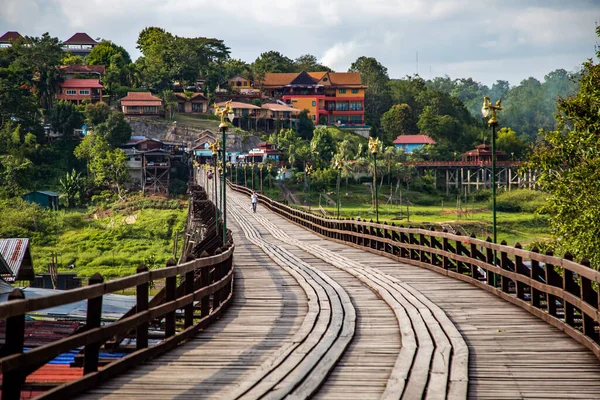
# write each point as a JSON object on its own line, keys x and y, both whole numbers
{"x": 254, "y": 199}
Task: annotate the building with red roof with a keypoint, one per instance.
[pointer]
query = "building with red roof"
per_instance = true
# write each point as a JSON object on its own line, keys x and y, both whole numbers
{"x": 141, "y": 104}
{"x": 196, "y": 103}
{"x": 77, "y": 90}
{"x": 482, "y": 154}
{"x": 410, "y": 143}
{"x": 80, "y": 44}
{"x": 331, "y": 98}
{"x": 9, "y": 37}
{"x": 15, "y": 260}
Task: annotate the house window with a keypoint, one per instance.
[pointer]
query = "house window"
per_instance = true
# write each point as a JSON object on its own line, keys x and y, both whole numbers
{"x": 314, "y": 103}
{"x": 355, "y": 106}
{"x": 180, "y": 107}
{"x": 84, "y": 92}
{"x": 245, "y": 83}
{"x": 341, "y": 106}
{"x": 197, "y": 107}
{"x": 149, "y": 110}
{"x": 356, "y": 119}
{"x": 342, "y": 91}
{"x": 354, "y": 91}
{"x": 314, "y": 118}
{"x": 71, "y": 91}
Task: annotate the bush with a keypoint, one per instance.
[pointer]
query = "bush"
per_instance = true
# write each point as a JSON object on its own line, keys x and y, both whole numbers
{"x": 519, "y": 201}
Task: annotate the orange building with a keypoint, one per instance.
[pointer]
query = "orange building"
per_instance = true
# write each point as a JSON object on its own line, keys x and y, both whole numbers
{"x": 332, "y": 98}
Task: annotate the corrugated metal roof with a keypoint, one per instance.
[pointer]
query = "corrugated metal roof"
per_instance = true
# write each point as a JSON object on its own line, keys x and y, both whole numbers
{"x": 13, "y": 251}
{"x": 49, "y": 193}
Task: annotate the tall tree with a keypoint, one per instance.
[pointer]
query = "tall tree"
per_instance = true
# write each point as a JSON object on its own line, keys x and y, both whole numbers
{"x": 378, "y": 96}
{"x": 115, "y": 130}
{"x": 309, "y": 63}
{"x": 323, "y": 146}
{"x": 65, "y": 117}
{"x": 305, "y": 125}
{"x": 103, "y": 52}
{"x": 271, "y": 61}
{"x": 398, "y": 120}
{"x": 569, "y": 167}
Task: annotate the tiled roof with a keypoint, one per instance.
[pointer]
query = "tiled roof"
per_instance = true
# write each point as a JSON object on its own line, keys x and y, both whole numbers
{"x": 140, "y": 96}
{"x": 81, "y": 83}
{"x": 12, "y": 252}
{"x": 278, "y": 107}
{"x": 335, "y": 78}
{"x": 141, "y": 103}
{"x": 80, "y": 38}
{"x": 237, "y": 104}
{"x": 83, "y": 69}
{"x": 195, "y": 96}
{"x": 10, "y": 36}
{"x": 414, "y": 139}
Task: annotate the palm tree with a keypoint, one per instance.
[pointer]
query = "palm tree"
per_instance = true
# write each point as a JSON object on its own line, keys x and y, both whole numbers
{"x": 133, "y": 75}
{"x": 170, "y": 102}
{"x": 72, "y": 185}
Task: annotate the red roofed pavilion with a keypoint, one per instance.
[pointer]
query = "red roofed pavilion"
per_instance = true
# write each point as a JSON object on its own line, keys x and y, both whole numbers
{"x": 9, "y": 37}
{"x": 76, "y": 90}
{"x": 141, "y": 103}
{"x": 409, "y": 143}
{"x": 80, "y": 44}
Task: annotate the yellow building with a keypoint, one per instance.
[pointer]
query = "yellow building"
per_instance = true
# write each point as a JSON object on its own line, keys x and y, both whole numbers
{"x": 333, "y": 98}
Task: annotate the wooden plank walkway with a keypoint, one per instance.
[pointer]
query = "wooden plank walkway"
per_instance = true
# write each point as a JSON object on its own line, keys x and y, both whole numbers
{"x": 315, "y": 318}
{"x": 267, "y": 310}
{"x": 513, "y": 354}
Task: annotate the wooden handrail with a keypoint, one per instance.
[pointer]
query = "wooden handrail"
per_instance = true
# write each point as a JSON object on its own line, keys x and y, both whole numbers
{"x": 211, "y": 284}
{"x": 558, "y": 290}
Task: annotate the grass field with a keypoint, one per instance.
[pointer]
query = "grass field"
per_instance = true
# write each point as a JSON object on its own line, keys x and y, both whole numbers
{"x": 517, "y": 220}
{"x": 110, "y": 240}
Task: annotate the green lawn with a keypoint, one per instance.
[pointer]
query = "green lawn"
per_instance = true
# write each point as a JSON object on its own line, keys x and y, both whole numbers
{"x": 523, "y": 226}
{"x": 111, "y": 240}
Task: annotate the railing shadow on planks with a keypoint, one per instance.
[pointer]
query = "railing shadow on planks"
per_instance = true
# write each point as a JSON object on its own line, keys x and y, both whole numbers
{"x": 203, "y": 294}
{"x": 558, "y": 290}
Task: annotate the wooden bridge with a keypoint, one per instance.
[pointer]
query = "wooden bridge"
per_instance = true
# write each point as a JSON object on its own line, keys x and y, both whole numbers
{"x": 334, "y": 309}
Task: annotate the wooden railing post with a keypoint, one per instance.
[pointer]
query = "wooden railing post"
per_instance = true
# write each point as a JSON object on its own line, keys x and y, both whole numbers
{"x": 553, "y": 279}
{"x": 473, "y": 254}
{"x": 504, "y": 262}
{"x": 218, "y": 273}
{"x": 204, "y": 282}
{"x": 445, "y": 247}
{"x": 569, "y": 286}
{"x": 93, "y": 319}
{"x": 536, "y": 295}
{"x": 141, "y": 294}
{"x": 12, "y": 381}
{"x": 170, "y": 289}
{"x": 490, "y": 259}
{"x": 591, "y": 297}
{"x": 189, "y": 289}
{"x": 520, "y": 270}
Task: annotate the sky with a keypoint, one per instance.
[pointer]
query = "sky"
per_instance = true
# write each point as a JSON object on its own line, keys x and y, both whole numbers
{"x": 488, "y": 41}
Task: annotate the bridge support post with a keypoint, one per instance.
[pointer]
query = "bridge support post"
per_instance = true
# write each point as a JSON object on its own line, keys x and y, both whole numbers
{"x": 170, "y": 287}
{"x": 141, "y": 293}
{"x": 93, "y": 317}
{"x": 15, "y": 337}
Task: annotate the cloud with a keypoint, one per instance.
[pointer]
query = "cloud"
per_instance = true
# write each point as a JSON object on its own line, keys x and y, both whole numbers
{"x": 452, "y": 36}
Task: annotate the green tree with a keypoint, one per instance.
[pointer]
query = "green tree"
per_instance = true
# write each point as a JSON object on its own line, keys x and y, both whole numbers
{"x": 65, "y": 117}
{"x": 115, "y": 130}
{"x": 377, "y": 96}
{"x": 110, "y": 168}
{"x": 36, "y": 61}
{"x": 569, "y": 166}
{"x": 272, "y": 61}
{"x": 305, "y": 125}
{"x": 17, "y": 103}
{"x": 398, "y": 120}
{"x": 72, "y": 187}
{"x": 309, "y": 63}
{"x": 510, "y": 143}
{"x": 70, "y": 59}
{"x": 103, "y": 52}
{"x": 170, "y": 103}
{"x": 16, "y": 149}
{"x": 96, "y": 113}
{"x": 323, "y": 146}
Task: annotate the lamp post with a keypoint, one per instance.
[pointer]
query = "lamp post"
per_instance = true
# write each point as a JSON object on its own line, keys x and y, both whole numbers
{"x": 486, "y": 109}
{"x": 269, "y": 169}
{"x": 245, "y": 176}
{"x": 309, "y": 171}
{"x": 225, "y": 113}
{"x": 252, "y": 170}
{"x": 261, "y": 180}
{"x": 338, "y": 164}
{"x": 374, "y": 145}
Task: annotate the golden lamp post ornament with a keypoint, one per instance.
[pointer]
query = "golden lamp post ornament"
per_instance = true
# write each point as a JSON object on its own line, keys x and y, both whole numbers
{"x": 374, "y": 146}
{"x": 225, "y": 113}
{"x": 489, "y": 107}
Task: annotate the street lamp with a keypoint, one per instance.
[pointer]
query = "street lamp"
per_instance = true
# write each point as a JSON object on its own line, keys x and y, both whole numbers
{"x": 225, "y": 113}
{"x": 374, "y": 145}
{"x": 338, "y": 164}
{"x": 309, "y": 171}
{"x": 215, "y": 150}
{"x": 261, "y": 180}
{"x": 269, "y": 169}
{"x": 252, "y": 171}
{"x": 486, "y": 109}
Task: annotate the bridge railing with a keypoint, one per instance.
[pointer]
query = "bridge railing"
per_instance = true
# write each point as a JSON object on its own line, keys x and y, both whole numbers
{"x": 558, "y": 290}
{"x": 205, "y": 291}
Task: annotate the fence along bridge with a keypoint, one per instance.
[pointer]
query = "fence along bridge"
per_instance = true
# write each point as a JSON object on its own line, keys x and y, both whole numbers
{"x": 333, "y": 309}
